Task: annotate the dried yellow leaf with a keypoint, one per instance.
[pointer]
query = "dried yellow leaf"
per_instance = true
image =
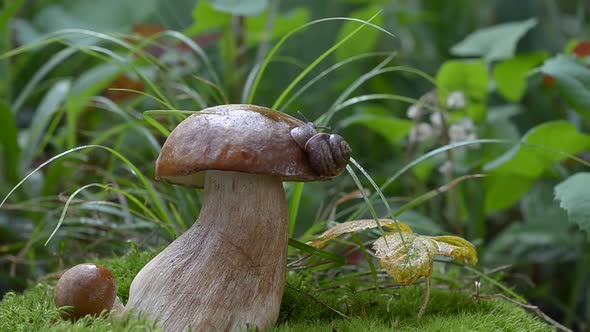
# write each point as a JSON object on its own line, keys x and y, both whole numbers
{"x": 408, "y": 259}
{"x": 409, "y": 256}
{"x": 356, "y": 226}
{"x": 457, "y": 247}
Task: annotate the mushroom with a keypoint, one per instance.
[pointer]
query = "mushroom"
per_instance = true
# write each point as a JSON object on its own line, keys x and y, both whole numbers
{"x": 88, "y": 288}
{"x": 227, "y": 272}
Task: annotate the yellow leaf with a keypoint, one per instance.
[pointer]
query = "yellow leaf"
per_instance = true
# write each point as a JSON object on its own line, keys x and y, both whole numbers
{"x": 409, "y": 256}
{"x": 355, "y": 226}
{"x": 408, "y": 259}
{"x": 457, "y": 247}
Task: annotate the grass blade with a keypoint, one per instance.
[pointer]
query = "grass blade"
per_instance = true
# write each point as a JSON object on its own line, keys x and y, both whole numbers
{"x": 285, "y": 37}
{"x": 316, "y": 62}
{"x": 317, "y": 252}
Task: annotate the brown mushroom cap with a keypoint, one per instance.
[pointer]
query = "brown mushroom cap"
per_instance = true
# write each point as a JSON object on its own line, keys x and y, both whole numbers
{"x": 241, "y": 138}
{"x": 88, "y": 288}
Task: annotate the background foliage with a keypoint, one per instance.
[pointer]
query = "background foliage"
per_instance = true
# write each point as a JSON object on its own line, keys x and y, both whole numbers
{"x": 500, "y": 88}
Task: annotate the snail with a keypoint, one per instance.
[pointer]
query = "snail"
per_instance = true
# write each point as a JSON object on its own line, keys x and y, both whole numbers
{"x": 88, "y": 289}
{"x": 328, "y": 154}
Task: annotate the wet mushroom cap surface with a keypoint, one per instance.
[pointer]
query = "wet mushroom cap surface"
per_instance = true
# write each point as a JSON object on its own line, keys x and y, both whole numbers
{"x": 241, "y": 138}
{"x": 88, "y": 288}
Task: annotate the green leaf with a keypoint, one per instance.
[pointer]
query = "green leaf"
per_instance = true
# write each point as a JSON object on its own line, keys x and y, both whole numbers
{"x": 240, "y": 7}
{"x": 532, "y": 243}
{"x": 504, "y": 190}
{"x": 8, "y": 142}
{"x": 9, "y": 10}
{"x": 546, "y": 144}
{"x": 574, "y": 197}
{"x": 469, "y": 77}
{"x": 257, "y": 30}
{"x": 499, "y": 125}
{"x": 494, "y": 43}
{"x": 573, "y": 81}
{"x": 365, "y": 40}
{"x": 206, "y": 18}
{"x": 393, "y": 129}
{"x": 109, "y": 16}
{"x": 511, "y": 74}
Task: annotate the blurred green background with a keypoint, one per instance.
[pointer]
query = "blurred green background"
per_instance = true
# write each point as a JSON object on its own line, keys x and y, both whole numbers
{"x": 77, "y": 77}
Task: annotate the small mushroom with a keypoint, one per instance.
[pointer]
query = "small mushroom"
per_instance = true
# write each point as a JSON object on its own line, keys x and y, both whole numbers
{"x": 227, "y": 272}
{"x": 88, "y": 288}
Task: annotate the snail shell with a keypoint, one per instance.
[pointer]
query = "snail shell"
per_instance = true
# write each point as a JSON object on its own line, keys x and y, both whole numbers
{"x": 328, "y": 154}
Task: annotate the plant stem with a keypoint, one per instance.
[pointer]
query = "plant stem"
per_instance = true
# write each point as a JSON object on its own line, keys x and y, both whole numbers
{"x": 427, "y": 282}
{"x": 240, "y": 60}
{"x": 577, "y": 289}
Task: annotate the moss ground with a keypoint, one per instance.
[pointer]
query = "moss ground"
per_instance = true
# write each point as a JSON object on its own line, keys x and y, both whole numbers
{"x": 377, "y": 310}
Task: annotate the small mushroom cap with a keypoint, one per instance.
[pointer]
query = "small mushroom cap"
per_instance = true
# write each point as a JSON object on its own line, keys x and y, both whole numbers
{"x": 88, "y": 288}
{"x": 241, "y": 138}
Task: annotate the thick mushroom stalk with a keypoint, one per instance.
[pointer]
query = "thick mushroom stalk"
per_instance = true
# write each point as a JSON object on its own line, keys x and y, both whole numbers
{"x": 227, "y": 272}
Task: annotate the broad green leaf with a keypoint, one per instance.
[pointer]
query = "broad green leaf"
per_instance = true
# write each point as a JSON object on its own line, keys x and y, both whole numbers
{"x": 354, "y": 226}
{"x": 8, "y": 143}
{"x": 529, "y": 243}
{"x": 424, "y": 170}
{"x": 504, "y": 190}
{"x": 546, "y": 144}
{"x": 206, "y": 18}
{"x": 573, "y": 81}
{"x": 257, "y": 30}
{"x": 469, "y": 77}
{"x": 539, "y": 205}
{"x": 542, "y": 235}
{"x": 409, "y": 256}
{"x": 364, "y": 41}
{"x": 499, "y": 125}
{"x": 510, "y": 75}
{"x": 393, "y": 129}
{"x": 574, "y": 197}
{"x": 494, "y": 43}
{"x": 240, "y": 7}
{"x": 9, "y": 10}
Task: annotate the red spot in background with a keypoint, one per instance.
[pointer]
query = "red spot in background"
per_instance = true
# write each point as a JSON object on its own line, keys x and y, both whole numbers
{"x": 548, "y": 80}
{"x": 582, "y": 49}
{"x": 124, "y": 82}
{"x": 147, "y": 30}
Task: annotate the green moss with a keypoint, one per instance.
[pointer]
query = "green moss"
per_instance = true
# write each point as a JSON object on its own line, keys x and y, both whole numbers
{"x": 376, "y": 310}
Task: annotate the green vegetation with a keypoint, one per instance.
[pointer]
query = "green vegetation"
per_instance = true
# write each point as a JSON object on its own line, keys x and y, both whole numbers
{"x": 466, "y": 118}
{"x": 370, "y": 310}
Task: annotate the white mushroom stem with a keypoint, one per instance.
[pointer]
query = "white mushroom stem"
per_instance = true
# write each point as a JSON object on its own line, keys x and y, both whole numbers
{"x": 227, "y": 272}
